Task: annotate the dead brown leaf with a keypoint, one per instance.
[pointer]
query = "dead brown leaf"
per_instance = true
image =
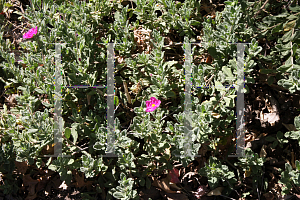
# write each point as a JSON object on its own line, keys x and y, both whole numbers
{"x": 28, "y": 181}
{"x": 174, "y": 196}
{"x": 153, "y": 193}
{"x": 11, "y": 100}
{"x": 79, "y": 178}
{"x": 42, "y": 183}
{"x": 263, "y": 152}
{"x": 163, "y": 184}
{"x": 142, "y": 38}
{"x": 174, "y": 186}
{"x": 21, "y": 167}
{"x": 216, "y": 192}
{"x": 209, "y": 59}
{"x": 290, "y": 127}
{"x": 56, "y": 182}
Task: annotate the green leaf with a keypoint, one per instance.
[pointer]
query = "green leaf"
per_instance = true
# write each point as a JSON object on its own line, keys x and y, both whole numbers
{"x": 229, "y": 3}
{"x": 277, "y": 28}
{"x": 267, "y": 71}
{"x": 226, "y": 70}
{"x": 284, "y": 68}
{"x": 297, "y": 122}
{"x": 298, "y": 165}
{"x": 294, "y": 48}
{"x": 71, "y": 161}
{"x": 289, "y": 61}
{"x": 74, "y": 132}
{"x": 271, "y": 80}
{"x": 39, "y": 162}
{"x": 148, "y": 183}
{"x": 52, "y": 167}
{"x": 296, "y": 36}
{"x": 285, "y": 83}
{"x": 213, "y": 182}
{"x": 195, "y": 22}
{"x": 270, "y": 138}
{"x": 169, "y": 64}
{"x": 288, "y": 167}
{"x": 275, "y": 143}
{"x": 98, "y": 146}
{"x": 279, "y": 134}
{"x": 219, "y": 86}
{"x": 118, "y": 195}
{"x": 213, "y": 52}
{"x": 40, "y": 91}
{"x": 7, "y": 5}
{"x": 270, "y": 20}
{"x": 295, "y": 8}
{"x": 32, "y": 130}
{"x": 116, "y": 100}
{"x": 67, "y": 133}
{"x": 287, "y": 36}
{"x": 297, "y": 24}
{"x": 170, "y": 94}
{"x": 48, "y": 162}
{"x": 21, "y": 88}
{"x": 229, "y": 101}
{"x": 142, "y": 181}
{"x": 249, "y": 80}
{"x": 291, "y": 17}
{"x": 68, "y": 177}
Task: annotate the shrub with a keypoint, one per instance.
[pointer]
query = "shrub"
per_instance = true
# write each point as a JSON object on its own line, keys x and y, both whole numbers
{"x": 146, "y": 142}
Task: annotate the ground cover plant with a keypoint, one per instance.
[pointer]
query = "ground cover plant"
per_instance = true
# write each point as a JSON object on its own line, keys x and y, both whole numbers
{"x": 149, "y": 99}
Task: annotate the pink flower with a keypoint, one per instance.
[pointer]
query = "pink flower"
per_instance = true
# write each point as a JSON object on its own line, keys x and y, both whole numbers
{"x": 30, "y": 33}
{"x": 152, "y": 104}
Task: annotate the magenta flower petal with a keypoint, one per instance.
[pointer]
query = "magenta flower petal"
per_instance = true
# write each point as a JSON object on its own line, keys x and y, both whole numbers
{"x": 30, "y": 33}
{"x": 152, "y": 104}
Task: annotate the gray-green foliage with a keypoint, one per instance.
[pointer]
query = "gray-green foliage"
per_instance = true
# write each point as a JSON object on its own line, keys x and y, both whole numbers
{"x": 216, "y": 172}
{"x": 84, "y": 63}
{"x": 253, "y": 163}
{"x": 162, "y": 140}
{"x": 295, "y": 135}
{"x": 125, "y": 189}
{"x": 7, "y": 165}
{"x": 279, "y": 139}
{"x": 289, "y": 177}
{"x": 283, "y": 61}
